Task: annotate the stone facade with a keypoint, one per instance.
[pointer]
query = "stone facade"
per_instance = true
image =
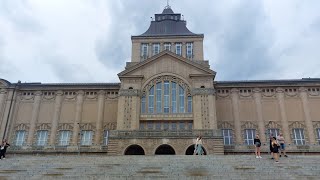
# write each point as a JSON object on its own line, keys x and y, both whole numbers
{"x": 163, "y": 101}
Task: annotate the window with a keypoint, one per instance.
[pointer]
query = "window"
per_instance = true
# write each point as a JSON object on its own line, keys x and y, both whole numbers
{"x": 181, "y": 99}
{"x": 158, "y": 126}
{"x": 150, "y": 125}
{"x": 173, "y": 126}
{"x": 156, "y": 49}
{"x": 167, "y": 46}
{"x": 189, "y": 104}
{"x": 274, "y": 132}
{"x": 227, "y": 136}
{"x": 182, "y": 126}
{"x": 190, "y": 50}
{"x": 178, "y": 49}
{"x": 105, "y": 137}
{"x": 249, "y": 136}
{"x": 42, "y": 137}
{"x": 144, "y": 51}
{"x": 20, "y": 137}
{"x": 64, "y": 138}
{"x": 166, "y": 97}
{"x": 141, "y": 126}
{"x": 159, "y": 89}
{"x": 298, "y": 136}
{"x": 165, "y": 125}
{"x": 151, "y": 99}
{"x": 318, "y": 133}
{"x": 143, "y": 104}
{"x": 190, "y": 124}
{"x": 86, "y": 138}
{"x": 174, "y": 97}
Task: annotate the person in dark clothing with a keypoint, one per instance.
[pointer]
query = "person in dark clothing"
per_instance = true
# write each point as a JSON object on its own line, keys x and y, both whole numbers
{"x": 271, "y": 149}
{"x": 257, "y": 144}
{"x": 3, "y": 149}
{"x": 275, "y": 149}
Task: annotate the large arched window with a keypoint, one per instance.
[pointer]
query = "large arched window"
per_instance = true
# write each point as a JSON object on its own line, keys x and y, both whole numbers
{"x": 166, "y": 94}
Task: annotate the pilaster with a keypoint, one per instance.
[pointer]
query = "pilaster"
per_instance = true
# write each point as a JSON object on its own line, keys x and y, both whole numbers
{"x": 236, "y": 115}
{"x": 307, "y": 117}
{"x": 56, "y": 117}
{"x": 284, "y": 120}
{"x": 257, "y": 100}
{"x": 78, "y": 116}
{"x": 34, "y": 117}
{"x": 99, "y": 124}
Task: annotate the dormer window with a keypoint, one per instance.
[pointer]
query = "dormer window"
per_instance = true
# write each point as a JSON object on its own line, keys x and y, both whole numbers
{"x": 178, "y": 49}
{"x": 144, "y": 51}
{"x": 190, "y": 50}
{"x": 167, "y": 46}
{"x": 155, "y": 49}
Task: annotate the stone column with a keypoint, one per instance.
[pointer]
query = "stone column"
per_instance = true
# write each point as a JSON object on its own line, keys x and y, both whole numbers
{"x": 34, "y": 118}
{"x": 306, "y": 110}
{"x": 3, "y": 96}
{"x": 78, "y": 116}
{"x": 149, "y": 50}
{"x": 236, "y": 115}
{"x": 99, "y": 125}
{"x": 284, "y": 120}
{"x": 56, "y": 117}
{"x": 257, "y": 100}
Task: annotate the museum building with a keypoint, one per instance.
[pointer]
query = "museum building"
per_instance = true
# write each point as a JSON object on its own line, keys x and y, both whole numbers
{"x": 166, "y": 97}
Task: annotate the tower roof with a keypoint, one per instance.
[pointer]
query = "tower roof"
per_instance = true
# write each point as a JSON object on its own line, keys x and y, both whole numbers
{"x": 168, "y": 23}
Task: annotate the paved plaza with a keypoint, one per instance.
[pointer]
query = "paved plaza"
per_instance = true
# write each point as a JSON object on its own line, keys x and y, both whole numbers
{"x": 158, "y": 167}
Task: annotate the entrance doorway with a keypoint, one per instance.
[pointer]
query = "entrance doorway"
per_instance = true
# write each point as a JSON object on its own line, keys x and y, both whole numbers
{"x": 134, "y": 150}
{"x": 190, "y": 150}
{"x": 165, "y": 150}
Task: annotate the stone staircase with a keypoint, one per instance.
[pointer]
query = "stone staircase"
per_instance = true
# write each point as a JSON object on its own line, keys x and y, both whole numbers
{"x": 158, "y": 167}
{"x": 112, "y": 147}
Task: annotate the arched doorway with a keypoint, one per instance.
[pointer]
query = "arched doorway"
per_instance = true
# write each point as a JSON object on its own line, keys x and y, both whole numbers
{"x": 190, "y": 150}
{"x": 165, "y": 150}
{"x": 134, "y": 150}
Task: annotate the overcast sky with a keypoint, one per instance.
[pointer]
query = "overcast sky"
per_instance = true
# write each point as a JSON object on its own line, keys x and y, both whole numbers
{"x": 89, "y": 40}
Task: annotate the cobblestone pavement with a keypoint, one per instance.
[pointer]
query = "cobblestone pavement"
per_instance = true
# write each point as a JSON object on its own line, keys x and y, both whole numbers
{"x": 158, "y": 167}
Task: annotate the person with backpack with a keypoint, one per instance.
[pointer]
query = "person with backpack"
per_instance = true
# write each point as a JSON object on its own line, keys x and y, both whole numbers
{"x": 257, "y": 144}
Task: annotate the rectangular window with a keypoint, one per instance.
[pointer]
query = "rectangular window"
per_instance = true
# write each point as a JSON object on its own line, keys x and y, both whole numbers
{"x": 20, "y": 137}
{"x": 156, "y": 48}
{"x": 318, "y": 133}
{"x": 190, "y": 50}
{"x": 181, "y": 99}
{"x": 274, "y": 132}
{"x": 190, "y": 124}
{"x": 159, "y": 88}
{"x": 227, "y": 136}
{"x": 150, "y": 125}
{"x": 105, "y": 137}
{"x": 42, "y": 137}
{"x": 151, "y": 99}
{"x": 173, "y": 126}
{"x": 158, "y": 126}
{"x": 167, "y": 46}
{"x": 165, "y": 125}
{"x": 144, "y": 51}
{"x": 86, "y": 138}
{"x": 189, "y": 104}
{"x": 178, "y": 49}
{"x": 298, "y": 136}
{"x": 174, "y": 97}
{"x": 166, "y": 97}
{"x": 141, "y": 126}
{"x": 64, "y": 138}
{"x": 249, "y": 136}
{"x": 143, "y": 104}
{"x": 182, "y": 126}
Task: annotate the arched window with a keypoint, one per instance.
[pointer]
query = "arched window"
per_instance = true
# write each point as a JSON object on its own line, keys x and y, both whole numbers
{"x": 166, "y": 95}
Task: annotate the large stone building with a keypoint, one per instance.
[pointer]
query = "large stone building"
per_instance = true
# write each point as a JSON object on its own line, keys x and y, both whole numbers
{"x": 166, "y": 97}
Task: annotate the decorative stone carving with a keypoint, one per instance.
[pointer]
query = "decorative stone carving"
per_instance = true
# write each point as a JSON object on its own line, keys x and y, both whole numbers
{"x": 129, "y": 92}
{"x": 203, "y": 91}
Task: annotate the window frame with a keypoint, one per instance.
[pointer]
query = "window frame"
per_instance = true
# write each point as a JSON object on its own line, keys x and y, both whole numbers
{"x": 178, "y": 46}
{"x": 247, "y": 139}
{"x": 189, "y": 50}
{"x": 228, "y": 138}
{"x": 301, "y": 140}
{"x": 155, "y": 48}
{"x": 20, "y": 139}
{"x": 64, "y": 140}
{"x": 42, "y": 137}
{"x": 86, "y": 141}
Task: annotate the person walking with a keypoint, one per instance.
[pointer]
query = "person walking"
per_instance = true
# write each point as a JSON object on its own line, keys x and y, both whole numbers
{"x": 198, "y": 146}
{"x": 275, "y": 149}
{"x": 270, "y": 145}
{"x": 3, "y": 149}
{"x": 282, "y": 148}
{"x": 257, "y": 144}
